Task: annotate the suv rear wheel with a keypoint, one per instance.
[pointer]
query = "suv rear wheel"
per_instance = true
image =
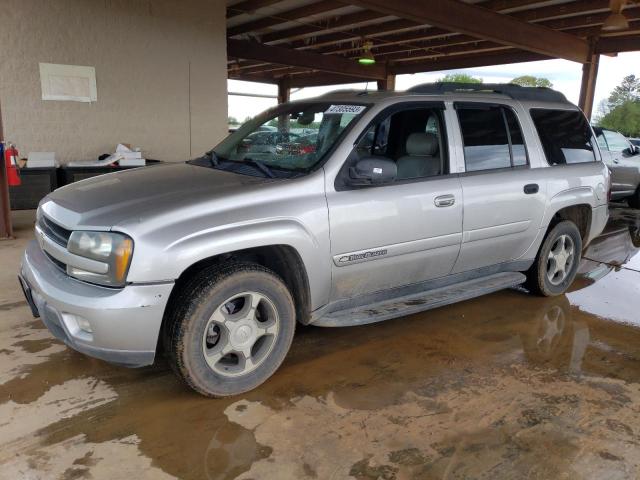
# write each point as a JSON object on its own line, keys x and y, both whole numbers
{"x": 557, "y": 262}
{"x": 231, "y": 329}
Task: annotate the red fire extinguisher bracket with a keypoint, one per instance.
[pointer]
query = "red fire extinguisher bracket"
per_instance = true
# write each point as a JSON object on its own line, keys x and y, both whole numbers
{"x": 11, "y": 165}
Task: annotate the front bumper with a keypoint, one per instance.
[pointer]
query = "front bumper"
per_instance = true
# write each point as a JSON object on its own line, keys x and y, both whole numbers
{"x": 124, "y": 323}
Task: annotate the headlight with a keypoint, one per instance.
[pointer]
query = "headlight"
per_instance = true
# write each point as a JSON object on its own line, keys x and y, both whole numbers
{"x": 113, "y": 249}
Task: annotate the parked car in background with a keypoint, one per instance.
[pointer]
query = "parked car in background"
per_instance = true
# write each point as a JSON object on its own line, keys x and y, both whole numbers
{"x": 302, "y": 145}
{"x": 623, "y": 160}
{"x": 264, "y": 143}
{"x": 409, "y": 201}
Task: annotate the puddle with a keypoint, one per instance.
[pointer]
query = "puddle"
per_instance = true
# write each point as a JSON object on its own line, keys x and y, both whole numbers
{"x": 504, "y": 386}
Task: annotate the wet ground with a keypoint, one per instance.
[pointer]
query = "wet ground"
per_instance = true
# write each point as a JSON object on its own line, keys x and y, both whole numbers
{"x": 504, "y": 386}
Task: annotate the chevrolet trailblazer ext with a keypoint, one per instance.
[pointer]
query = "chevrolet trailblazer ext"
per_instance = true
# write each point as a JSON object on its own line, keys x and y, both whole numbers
{"x": 381, "y": 205}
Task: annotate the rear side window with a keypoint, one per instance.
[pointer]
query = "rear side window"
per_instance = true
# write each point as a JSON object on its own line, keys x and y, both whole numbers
{"x": 492, "y": 138}
{"x": 565, "y": 136}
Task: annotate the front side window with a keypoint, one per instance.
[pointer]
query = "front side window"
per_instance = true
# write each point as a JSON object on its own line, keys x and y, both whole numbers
{"x": 616, "y": 141}
{"x": 289, "y": 138}
{"x": 565, "y": 135}
{"x": 492, "y": 138}
{"x": 414, "y": 138}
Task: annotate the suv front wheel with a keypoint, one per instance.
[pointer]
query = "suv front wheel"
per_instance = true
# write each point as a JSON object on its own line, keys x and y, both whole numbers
{"x": 230, "y": 329}
{"x": 557, "y": 262}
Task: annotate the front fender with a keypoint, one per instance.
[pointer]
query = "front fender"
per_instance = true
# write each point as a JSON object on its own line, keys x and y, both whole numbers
{"x": 171, "y": 260}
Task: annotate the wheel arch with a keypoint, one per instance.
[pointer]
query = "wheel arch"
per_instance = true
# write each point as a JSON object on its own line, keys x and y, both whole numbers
{"x": 579, "y": 214}
{"x": 283, "y": 260}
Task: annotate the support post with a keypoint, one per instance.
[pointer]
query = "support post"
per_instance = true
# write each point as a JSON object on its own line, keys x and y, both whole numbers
{"x": 389, "y": 83}
{"x": 589, "y": 77}
{"x": 284, "y": 91}
{"x": 6, "y": 230}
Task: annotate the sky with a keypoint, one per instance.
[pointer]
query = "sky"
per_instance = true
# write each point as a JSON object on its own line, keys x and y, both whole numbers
{"x": 564, "y": 75}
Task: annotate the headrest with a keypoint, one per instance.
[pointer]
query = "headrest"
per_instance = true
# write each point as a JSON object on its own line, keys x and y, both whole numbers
{"x": 422, "y": 144}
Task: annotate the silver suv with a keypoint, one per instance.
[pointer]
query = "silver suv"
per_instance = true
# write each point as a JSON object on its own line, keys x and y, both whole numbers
{"x": 401, "y": 202}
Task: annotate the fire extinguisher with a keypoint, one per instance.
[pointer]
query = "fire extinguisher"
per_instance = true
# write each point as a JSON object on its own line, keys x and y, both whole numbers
{"x": 11, "y": 164}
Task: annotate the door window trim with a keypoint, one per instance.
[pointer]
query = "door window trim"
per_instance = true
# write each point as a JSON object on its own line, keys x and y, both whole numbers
{"x": 487, "y": 106}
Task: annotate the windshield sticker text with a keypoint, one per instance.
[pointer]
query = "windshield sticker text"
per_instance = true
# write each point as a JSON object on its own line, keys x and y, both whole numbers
{"x": 354, "y": 109}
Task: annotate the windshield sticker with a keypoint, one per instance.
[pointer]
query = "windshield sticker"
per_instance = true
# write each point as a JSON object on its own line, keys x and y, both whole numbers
{"x": 354, "y": 109}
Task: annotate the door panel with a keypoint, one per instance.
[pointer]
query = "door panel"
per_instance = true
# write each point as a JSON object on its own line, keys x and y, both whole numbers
{"x": 624, "y": 169}
{"x": 504, "y": 200}
{"x": 501, "y": 221}
{"x": 395, "y": 235}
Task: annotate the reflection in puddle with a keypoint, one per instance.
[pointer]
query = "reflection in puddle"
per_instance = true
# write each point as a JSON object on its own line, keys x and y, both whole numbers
{"x": 610, "y": 272}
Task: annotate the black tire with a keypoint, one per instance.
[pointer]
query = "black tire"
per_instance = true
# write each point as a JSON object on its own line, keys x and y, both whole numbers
{"x": 195, "y": 305}
{"x": 634, "y": 201}
{"x": 538, "y": 281}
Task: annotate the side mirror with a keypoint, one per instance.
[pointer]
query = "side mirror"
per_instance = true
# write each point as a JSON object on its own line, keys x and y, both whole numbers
{"x": 373, "y": 171}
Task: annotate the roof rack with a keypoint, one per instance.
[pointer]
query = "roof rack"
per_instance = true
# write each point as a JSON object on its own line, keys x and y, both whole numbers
{"x": 509, "y": 89}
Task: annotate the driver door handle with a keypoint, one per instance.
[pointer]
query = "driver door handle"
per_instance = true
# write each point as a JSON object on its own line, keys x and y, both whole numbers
{"x": 444, "y": 200}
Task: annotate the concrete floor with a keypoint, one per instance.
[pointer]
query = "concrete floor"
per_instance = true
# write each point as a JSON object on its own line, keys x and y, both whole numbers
{"x": 505, "y": 386}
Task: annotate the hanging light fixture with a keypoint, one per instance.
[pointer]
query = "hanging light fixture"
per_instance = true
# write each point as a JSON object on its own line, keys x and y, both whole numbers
{"x": 616, "y": 20}
{"x": 366, "y": 57}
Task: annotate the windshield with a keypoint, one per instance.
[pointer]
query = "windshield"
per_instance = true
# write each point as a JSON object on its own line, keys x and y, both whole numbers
{"x": 291, "y": 137}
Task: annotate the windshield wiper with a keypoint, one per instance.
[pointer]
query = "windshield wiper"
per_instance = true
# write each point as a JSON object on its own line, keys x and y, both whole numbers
{"x": 260, "y": 166}
{"x": 213, "y": 158}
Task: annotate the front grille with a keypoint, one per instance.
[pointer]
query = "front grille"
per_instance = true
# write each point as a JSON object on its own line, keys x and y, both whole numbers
{"x": 61, "y": 265}
{"x": 55, "y": 232}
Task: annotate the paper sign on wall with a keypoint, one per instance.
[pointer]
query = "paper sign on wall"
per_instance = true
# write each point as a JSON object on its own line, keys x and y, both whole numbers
{"x": 68, "y": 82}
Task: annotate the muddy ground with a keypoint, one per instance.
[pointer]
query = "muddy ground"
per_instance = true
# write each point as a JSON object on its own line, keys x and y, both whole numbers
{"x": 504, "y": 386}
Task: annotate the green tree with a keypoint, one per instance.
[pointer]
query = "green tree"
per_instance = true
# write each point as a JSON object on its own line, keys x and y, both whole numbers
{"x": 232, "y": 120}
{"x": 459, "y": 78}
{"x": 628, "y": 90}
{"x": 624, "y": 118}
{"x": 531, "y": 81}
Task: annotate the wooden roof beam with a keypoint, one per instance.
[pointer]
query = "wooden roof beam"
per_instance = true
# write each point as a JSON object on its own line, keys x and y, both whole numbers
{"x": 629, "y": 43}
{"x": 485, "y": 24}
{"x": 467, "y": 61}
{"x": 284, "y": 56}
{"x": 348, "y": 21}
{"x": 282, "y": 17}
{"x": 248, "y": 6}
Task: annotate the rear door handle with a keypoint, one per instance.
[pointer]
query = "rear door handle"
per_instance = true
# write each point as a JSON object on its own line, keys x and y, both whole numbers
{"x": 444, "y": 201}
{"x": 531, "y": 188}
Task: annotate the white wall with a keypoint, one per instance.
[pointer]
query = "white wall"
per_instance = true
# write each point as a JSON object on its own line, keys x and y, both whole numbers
{"x": 160, "y": 71}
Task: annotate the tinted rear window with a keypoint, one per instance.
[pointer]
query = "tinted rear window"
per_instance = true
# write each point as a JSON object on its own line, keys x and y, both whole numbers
{"x": 565, "y": 135}
{"x": 492, "y": 137}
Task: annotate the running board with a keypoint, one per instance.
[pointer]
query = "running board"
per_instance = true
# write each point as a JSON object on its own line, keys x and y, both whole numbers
{"x": 419, "y": 302}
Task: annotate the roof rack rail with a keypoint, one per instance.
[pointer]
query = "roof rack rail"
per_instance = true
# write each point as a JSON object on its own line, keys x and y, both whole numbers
{"x": 509, "y": 89}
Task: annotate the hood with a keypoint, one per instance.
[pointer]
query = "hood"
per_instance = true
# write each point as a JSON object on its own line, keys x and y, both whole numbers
{"x": 106, "y": 200}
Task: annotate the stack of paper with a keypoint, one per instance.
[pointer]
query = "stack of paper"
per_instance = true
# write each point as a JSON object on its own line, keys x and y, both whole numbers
{"x": 41, "y": 160}
{"x": 123, "y": 155}
{"x": 128, "y": 157}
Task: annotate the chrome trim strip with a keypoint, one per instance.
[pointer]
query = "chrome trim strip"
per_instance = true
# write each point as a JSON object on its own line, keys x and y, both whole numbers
{"x": 375, "y": 253}
{"x": 63, "y": 255}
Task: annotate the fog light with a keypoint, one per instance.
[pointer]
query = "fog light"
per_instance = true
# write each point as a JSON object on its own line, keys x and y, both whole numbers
{"x": 83, "y": 324}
